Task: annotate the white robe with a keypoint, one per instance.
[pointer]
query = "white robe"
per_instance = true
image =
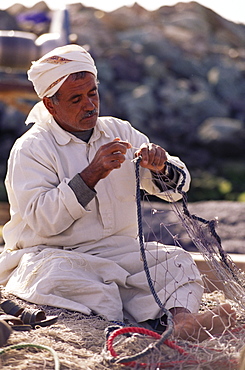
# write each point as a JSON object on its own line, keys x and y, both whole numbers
{"x": 87, "y": 259}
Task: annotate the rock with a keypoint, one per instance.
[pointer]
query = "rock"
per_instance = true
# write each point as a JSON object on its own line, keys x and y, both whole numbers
{"x": 229, "y": 85}
{"x": 162, "y": 223}
{"x": 139, "y": 105}
{"x": 223, "y": 135}
{"x": 205, "y": 104}
{"x": 176, "y": 73}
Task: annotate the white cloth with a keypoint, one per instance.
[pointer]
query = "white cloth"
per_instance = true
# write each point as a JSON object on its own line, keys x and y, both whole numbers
{"x": 49, "y": 72}
{"x": 105, "y": 272}
{"x": 112, "y": 284}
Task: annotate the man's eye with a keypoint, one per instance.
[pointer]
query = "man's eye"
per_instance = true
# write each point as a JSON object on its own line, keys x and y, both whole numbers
{"x": 75, "y": 101}
{"x": 94, "y": 92}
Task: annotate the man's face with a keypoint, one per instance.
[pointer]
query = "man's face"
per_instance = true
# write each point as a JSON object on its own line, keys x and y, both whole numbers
{"x": 78, "y": 104}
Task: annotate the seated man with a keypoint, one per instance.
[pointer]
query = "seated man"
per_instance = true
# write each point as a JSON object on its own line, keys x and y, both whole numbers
{"x": 72, "y": 241}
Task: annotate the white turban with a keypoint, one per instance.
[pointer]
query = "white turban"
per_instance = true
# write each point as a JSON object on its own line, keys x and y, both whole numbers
{"x": 49, "y": 72}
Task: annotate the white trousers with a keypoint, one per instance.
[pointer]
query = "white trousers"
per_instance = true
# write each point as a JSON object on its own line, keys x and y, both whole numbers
{"x": 109, "y": 283}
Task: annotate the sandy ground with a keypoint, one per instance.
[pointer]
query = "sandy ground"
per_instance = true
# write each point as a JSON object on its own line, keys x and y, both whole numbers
{"x": 79, "y": 344}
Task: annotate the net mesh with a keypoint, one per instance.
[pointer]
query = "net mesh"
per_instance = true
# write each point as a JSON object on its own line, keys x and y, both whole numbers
{"x": 223, "y": 281}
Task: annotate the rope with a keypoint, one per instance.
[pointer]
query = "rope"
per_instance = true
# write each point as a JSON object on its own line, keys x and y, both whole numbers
{"x": 162, "y": 339}
{"x": 188, "y": 359}
{"x": 130, "y": 360}
{"x": 169, "y": 329}
{"x": 39, "y": 346}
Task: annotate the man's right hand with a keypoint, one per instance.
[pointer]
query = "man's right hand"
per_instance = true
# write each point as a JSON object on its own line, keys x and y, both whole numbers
{"x": 108, "y": 157}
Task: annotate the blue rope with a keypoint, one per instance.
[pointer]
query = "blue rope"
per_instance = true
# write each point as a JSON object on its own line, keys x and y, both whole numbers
{"x": 169, "y": 330}
{"x": 170, "y": 324}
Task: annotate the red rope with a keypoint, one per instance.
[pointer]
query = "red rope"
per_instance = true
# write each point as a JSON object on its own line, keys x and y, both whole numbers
{"x": 144, "y": 331}
{"x": 167, "y": 342}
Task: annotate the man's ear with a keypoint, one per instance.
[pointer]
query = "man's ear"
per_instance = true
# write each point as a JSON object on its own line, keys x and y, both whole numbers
{"x": 49, "y": 105}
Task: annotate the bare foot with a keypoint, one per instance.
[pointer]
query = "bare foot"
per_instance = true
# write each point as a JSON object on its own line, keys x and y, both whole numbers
{"x": 200, "y": 326}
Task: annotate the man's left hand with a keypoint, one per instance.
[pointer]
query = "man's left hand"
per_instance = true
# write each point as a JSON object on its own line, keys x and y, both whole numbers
{"x": 153, "y": 157}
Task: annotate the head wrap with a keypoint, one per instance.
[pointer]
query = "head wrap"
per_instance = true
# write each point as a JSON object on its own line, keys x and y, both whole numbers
{"x": 49, "y": 72}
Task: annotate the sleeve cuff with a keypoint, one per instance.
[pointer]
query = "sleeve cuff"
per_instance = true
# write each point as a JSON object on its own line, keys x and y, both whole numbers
{"x": 83, "y": 193}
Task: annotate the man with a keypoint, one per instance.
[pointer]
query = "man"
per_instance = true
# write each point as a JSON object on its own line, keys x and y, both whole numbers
{"x": 72, "y": 238}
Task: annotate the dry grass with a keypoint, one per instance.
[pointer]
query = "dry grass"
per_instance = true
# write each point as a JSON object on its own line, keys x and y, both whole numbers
{"x": 78, "y": 341}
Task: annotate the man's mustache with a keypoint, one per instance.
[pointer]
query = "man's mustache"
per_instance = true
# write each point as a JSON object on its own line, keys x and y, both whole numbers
{"x": 90, "y": 113}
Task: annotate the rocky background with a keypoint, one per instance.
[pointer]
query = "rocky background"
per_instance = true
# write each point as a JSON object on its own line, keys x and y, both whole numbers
{"x": 177, "y": 74}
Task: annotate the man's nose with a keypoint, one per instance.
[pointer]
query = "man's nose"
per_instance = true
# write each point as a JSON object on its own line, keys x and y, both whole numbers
{"x": 88, "y": 104}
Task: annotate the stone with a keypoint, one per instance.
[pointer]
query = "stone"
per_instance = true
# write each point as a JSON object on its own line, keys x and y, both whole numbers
{"x": 170, "y": 72}
{"x": 223, "y": 134}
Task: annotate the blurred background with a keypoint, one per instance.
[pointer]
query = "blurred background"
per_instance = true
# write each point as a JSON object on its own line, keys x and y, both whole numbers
{"x": 177, "y": 73}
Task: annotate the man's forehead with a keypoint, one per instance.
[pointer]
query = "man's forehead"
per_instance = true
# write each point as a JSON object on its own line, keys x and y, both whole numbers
{"x": 78, "y": 86}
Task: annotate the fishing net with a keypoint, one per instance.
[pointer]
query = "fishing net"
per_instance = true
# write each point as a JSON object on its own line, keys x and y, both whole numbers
{"x": 138, "y": 347}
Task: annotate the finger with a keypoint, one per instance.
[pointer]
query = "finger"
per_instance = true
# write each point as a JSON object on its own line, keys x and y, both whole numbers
{"x": 144, "y": 152}
{"x": 149, "y": 155}
{"x": 152, "y": 155}
{"x": 126, "y": 143}
{"x": 118, "y": 149}
{"x": 160, "y": 163}
{"x": 112, "y": 147}
{"x": 116, "y": 163}
{"x": 118, "y": 156}
{"x": 160, "y": 157}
